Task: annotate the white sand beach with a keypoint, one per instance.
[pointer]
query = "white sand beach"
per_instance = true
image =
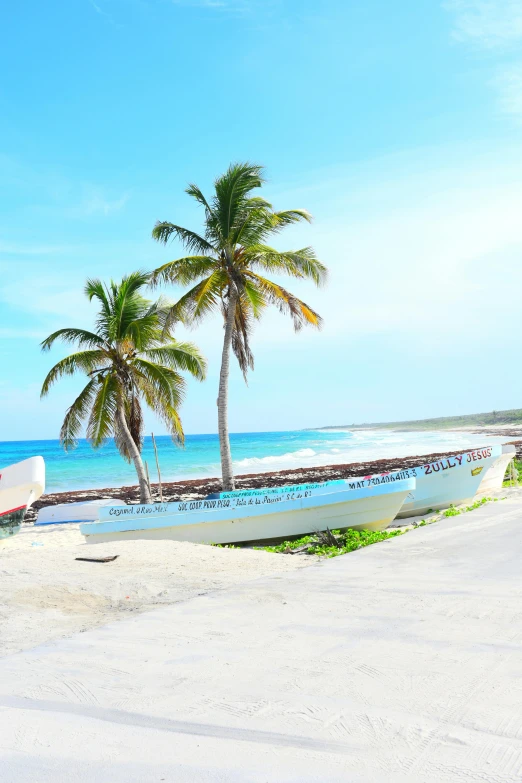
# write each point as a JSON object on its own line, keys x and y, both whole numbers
{"x": 398, "y": 663}
{"x": 47, "y": 594}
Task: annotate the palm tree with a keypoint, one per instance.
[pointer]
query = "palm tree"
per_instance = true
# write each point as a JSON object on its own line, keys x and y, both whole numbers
{"x": 130, "y": 358}
{"x": 227, "y": 264}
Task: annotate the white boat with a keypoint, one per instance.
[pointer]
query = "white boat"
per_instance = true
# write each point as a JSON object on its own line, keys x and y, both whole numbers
{"x": 20, "y": 485}
{"x": 494, "y": 478}
{"x": 261, "y": 516}
{"x": 448, "y": 481}
{"x": 69, "y": 513}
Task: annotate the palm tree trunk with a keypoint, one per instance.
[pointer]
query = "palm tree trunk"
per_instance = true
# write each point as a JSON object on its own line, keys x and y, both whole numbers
{"x": 133, "y": 450}
{"x": 222, "y": 401}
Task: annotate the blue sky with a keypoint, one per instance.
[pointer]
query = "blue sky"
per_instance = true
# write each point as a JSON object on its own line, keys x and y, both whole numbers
{"x": 399, "y": 126}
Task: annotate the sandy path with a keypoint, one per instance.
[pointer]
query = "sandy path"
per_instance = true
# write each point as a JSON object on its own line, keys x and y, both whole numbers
{"x": 46, "y": 594}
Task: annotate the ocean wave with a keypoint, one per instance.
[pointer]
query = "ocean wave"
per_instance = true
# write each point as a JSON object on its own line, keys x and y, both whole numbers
{"x": 272, "y": 459}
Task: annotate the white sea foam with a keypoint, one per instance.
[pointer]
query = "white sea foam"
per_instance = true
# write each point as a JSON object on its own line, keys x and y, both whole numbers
{"x": 259, "y": 463}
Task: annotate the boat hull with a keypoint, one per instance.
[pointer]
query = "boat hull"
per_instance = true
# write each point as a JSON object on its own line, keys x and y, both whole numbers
{"x": 73, "y": 513}
{"x": 11, "y": 521}
{"x": 20, "y": 485}
{"x": 453, "y": 480}
{"x": 240, "y": 521}
{"x": 494, "y": 478}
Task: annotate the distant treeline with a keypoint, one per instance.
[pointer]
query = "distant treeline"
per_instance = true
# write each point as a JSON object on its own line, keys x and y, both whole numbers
{"x": 443, "y": 422}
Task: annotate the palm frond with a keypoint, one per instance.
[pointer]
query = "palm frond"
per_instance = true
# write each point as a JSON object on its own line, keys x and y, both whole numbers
{"x": 164, "y": 231}
{"x": 200, "y": 300}
{"x": 146, "y": 330}
{"x": 168, "y": 384}
{"x": 180, "y": 356}
{"x": 128, "y": 304}
{"x": 94, "y": 288}
{"x": 72, "y": 424}
{"x": 70, "y": 335}
{"x": 103, "y": 412}
{"x": 135, "y": 421}
{"x": 256, "y": 299}
{"x": 134, "y": 418}
{"x": 286, "y": 217}
{"x": 231, "y": 191}
{"x": 286, "y": 302}
{"x": 171, "y": 419}
{"x": 163, "y": 391}
{"x": 301, "y": 263}
{"x": 254, "y": 222}
{"x": 195, "y": 192}
{"x": 185, "y": 270}
{"x": 84, "y": 361}
{"x": 241, "y": 334}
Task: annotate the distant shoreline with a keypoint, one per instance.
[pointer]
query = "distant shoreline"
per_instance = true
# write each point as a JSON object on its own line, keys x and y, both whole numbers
{"x": 508, "y": 430}
{"x": 496, "y": 420}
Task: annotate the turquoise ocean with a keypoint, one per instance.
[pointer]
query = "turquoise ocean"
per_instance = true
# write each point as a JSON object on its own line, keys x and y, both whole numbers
{"x": 253, "y": 452}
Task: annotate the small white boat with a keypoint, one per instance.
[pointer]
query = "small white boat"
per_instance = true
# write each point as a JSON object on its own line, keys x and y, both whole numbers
{"x": 291, "y": 511}
{"x": 494, "y": 478}
{"x": 69, "y": 513}
{"x": 448, "y": 481}
{"x": 20, "y": 485}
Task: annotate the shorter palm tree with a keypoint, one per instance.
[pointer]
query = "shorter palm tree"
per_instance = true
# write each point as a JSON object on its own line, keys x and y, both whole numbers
{"x": 130, "y": 358}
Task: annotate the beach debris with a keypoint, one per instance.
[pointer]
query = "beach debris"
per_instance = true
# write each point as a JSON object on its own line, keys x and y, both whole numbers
{"x": 327, "y": 538}
{"x": 299, "y": 550}
{"x": 97, "y": 559}
{"x": 320, "y": 538}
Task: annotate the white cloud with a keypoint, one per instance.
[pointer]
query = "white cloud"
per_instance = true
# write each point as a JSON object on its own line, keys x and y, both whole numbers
{"x": 427, "y": 247}
{"x": 97, "y": 8}
{"x": 487, "y": 23}
{"x": 96, "y": 202}
{"x": 494, "y": 26}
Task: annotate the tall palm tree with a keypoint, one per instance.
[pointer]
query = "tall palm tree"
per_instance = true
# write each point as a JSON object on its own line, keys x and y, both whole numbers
{"x": 227, "y": 264}
{"x": 129, "y": 358}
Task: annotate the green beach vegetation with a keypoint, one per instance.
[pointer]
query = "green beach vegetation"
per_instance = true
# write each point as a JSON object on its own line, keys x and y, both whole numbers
{"x": 226, "y": 266}
{"x": 454, "y": 511}
{"x": 334, "y": 542}
{"x": 513, "y": 479}
{"x": 130, "y": 359}
{"x": 492, "y": 419}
